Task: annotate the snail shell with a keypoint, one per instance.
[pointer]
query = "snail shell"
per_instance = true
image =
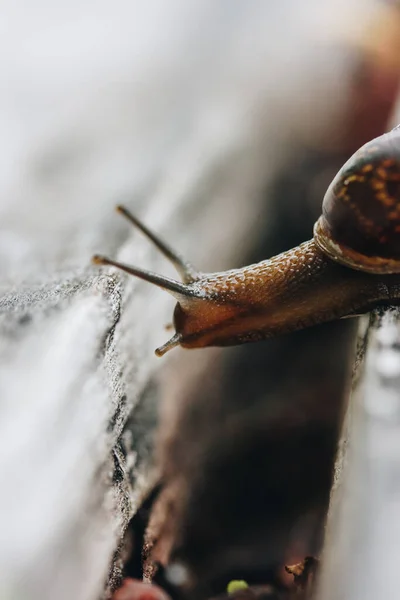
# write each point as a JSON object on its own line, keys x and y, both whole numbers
{"x": 360, "y": 222}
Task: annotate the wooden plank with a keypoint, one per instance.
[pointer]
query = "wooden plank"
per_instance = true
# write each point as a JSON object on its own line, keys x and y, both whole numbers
{"x": 167, "y": 106}
{"x": 362, "y": 548}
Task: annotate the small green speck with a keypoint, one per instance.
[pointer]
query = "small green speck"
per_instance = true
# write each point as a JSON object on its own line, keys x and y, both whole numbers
{"x": 235, "y": 585}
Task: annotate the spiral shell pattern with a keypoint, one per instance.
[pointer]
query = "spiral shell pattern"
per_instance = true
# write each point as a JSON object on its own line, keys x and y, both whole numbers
{"x": 360, "y": 222}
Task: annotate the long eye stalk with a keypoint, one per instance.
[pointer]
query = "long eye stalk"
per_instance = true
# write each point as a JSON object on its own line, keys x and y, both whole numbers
{"x": 180, "y": 291}
{"x": 184, "y": 268}
{"x": 176, "y": 288}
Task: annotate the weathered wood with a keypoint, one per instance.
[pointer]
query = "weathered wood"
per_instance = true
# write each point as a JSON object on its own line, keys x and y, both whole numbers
{"x": 362, "y": 543}
{"x": 166, "y": 106}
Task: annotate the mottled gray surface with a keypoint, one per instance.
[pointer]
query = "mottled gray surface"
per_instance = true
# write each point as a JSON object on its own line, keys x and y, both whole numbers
{"x": 362, "y": 547}
{"x": 183, "y": 110}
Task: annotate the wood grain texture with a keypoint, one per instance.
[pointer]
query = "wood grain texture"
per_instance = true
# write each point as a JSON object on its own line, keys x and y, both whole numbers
{"x": 176, "y": 109}
{"x": 362, "y": 549}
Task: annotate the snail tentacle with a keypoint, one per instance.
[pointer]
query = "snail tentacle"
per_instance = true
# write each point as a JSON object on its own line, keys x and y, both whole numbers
{"x": 184, "y": 268}
{"x": 175, "y": 288}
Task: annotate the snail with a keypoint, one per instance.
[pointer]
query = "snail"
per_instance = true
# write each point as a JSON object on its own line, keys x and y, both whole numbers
{"x": 348, "y": 267}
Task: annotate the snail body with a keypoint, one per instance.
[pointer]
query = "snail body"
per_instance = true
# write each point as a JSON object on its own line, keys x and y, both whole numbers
{"x": 349, "y": 266}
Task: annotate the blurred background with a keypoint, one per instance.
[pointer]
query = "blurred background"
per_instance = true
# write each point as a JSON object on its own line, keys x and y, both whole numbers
{"x": 220, "y": 124}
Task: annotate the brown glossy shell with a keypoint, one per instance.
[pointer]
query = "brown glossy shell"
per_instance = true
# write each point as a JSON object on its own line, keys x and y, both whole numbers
{"x": 360, "y": 222}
